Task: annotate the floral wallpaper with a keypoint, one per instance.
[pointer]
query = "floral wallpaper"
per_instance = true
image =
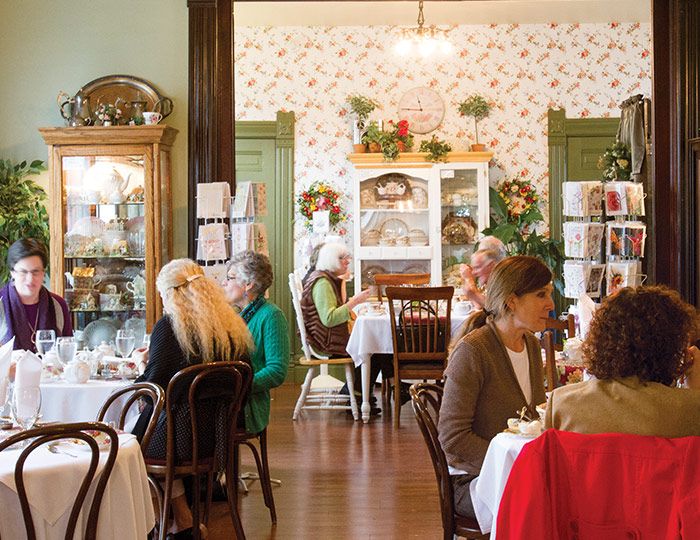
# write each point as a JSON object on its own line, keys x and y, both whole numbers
{"x": 588, "y": 69}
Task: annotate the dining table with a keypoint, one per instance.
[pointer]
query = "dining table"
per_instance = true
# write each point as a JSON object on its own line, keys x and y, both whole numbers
{"x": 52, "y": 480}
{"x": 371, "y": 334}
{"x": 63, "y": 401}
{"x": 486, "y": 489}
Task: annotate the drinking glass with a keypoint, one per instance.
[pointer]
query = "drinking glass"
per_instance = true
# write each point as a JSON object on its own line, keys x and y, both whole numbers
{"x": 125, "y": 342}
{"x": 26, "y": 404}
{"x": 45, "y": 340}
{"x": 147, "y": 341}
{"x": 66, "y": 347}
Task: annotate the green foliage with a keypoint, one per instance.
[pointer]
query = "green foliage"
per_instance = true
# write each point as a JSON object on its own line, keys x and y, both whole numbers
{"x": 518, "y": 234}
{"x": 476, "y": 107}
{"x": 437, "y": 149}
{"x": 362, "y": 106}
{"x": 616, "y": 162}
{"x": 373, "y": 134}
{"x": 22, "y": 213}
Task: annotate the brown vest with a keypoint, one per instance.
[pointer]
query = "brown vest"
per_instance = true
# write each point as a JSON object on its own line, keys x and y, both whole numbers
{"x": 323, "y": 339}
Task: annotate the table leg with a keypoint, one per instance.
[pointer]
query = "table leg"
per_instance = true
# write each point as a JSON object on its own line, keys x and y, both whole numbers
{"x": 365, "y": 390}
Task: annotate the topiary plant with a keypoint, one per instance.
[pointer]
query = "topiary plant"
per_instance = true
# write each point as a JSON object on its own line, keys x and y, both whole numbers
{"x": 22, "y": 212}
{"x": 478, "y": 108}
{"x": 362, "y": 106}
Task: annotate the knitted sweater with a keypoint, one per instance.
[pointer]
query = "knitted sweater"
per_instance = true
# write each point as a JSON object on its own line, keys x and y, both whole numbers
{"x": 481, "y": 393}
{"x": 270, "y": 361}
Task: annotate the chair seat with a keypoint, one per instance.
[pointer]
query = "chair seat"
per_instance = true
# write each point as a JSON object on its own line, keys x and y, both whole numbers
{"x": 466, "y": 526}
{"x": 318, "y": 362}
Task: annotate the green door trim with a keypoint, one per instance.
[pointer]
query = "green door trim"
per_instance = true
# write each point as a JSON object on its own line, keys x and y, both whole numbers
{"x": 282, "y": 132}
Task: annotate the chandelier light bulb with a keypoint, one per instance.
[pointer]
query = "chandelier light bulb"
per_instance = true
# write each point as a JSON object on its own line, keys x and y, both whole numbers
{"x": 422, "y": 40}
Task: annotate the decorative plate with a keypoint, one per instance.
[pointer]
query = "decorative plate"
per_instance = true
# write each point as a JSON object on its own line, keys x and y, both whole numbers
{"x": 393, "y": 228}
{"x": 98, "y": 331}
{"x": 458, "y": 229}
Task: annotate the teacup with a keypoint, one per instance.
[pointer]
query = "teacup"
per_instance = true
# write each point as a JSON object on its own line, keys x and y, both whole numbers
{"x": 462, "y": 307}
{"x": 152, "y": 118}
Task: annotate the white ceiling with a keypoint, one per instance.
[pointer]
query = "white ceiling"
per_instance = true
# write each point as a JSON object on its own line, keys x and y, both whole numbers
{"x": 329, "y": 13}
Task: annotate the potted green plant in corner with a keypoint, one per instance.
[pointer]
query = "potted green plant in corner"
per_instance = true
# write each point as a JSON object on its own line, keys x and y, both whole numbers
{"x": 22, "y": 212}
{"x": 478, "y": 108}
{"x": 361, "y": 107}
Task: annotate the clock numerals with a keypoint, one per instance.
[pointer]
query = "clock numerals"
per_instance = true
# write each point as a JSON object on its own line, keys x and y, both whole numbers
{"x": 423, "y": 108}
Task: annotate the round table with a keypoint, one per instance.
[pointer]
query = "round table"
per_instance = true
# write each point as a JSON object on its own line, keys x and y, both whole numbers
{"x": 69, "y": 402}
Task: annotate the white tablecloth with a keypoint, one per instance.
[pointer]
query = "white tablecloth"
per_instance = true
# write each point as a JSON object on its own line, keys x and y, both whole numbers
{"x": 371, "y": 334}
{"x": 67, "y": 402}
{"x": 52, "y": 481}
{"x": 487, "y": 490}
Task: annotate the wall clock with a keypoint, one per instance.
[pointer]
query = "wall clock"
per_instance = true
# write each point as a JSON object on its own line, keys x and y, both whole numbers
{"x": 423, "y": 108}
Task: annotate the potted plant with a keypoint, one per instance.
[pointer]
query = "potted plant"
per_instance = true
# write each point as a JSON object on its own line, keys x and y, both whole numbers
{"x": 403, "y": 137}
{"x": 478, "y": 108}
{"x": 616, "y": 162}
{"x": 22, "y": 212}
{"x": 373, "y": 137}
{"x": 515, "y": 216}
{"x": 437, "y": 149}
{"x": 361, "y": 107}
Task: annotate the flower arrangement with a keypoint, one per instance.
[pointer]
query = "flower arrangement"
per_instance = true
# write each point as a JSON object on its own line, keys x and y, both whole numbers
{"x": 515, "y": 215}
{"x": 403, "y": 137}
{"x": 106, "y": 112}
{"x": 320, "y": 196}
{"x": 389, "y": 142}
{"x": 616, "y": 162}
{"x": 437, "y": 149}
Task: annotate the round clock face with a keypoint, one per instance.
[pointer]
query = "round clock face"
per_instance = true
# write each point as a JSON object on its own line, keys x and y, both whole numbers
{"x": 423, "y": 108}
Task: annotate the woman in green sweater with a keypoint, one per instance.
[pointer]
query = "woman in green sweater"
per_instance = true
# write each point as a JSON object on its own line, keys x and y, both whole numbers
{"x": 248, "y": 276}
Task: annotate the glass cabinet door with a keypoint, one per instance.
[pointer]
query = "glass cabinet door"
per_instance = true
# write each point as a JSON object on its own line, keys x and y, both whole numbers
{"x": 459, "y": 220}
{"x": 104, "y": 245}
{"x": 393, "y": 225}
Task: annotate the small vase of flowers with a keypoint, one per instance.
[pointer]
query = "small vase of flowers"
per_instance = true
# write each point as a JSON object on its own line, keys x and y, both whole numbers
{"x": 108, "y": 114}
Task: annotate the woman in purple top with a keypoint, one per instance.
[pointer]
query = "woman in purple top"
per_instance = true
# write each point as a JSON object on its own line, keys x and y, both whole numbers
{"x": 25, "y": 304}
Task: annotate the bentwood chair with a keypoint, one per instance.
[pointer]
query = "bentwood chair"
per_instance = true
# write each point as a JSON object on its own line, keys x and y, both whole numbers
{"x": 395, "y": 280}
{"x": 316, "y": 363}
{"x": 420, "y": 335}
{"x": 130, "y": 396}
{"x": 48, "y": 434}
{"x": 426, "y": 399}
{"x": 200, "y": 395}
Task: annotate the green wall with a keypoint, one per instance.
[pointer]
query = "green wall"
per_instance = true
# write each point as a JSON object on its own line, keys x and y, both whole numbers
{"x": 52, "y": 45}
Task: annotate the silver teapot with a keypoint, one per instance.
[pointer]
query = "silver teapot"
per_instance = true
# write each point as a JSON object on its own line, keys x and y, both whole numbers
{"x": 75, "y": 110}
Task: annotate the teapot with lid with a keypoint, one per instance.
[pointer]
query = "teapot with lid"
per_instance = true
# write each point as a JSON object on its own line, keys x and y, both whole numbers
{"x": 113, "y": 186}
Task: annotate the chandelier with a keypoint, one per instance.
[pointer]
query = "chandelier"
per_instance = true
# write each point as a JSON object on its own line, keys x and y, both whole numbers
{"x": 423, "y": 40}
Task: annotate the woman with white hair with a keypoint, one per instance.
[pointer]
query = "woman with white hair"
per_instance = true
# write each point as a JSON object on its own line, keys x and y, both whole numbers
{"x": 199, "y": 326}
{"x": 491, "y": 251}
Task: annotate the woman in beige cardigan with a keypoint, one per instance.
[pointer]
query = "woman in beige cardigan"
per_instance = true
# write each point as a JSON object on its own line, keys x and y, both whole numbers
{"x": 637, "y": 348}
{"x": 495, "y": 369}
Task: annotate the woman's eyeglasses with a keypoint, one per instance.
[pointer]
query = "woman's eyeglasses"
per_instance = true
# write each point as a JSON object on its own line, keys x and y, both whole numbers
{"x": 25, "y": 273}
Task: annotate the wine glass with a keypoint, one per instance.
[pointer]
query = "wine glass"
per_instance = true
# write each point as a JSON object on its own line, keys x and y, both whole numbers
{"x": 26, "y": 404}
{"x": 125, "y": 342}
{"x": 45, "y": 340}
{"x": 66, "y": 347}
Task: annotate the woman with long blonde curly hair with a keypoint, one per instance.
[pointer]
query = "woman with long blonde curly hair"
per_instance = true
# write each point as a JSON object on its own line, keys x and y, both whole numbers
{"x": 198, "y": 326}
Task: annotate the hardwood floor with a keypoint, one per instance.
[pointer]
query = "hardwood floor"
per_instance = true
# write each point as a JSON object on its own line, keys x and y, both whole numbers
{"x": 340, "y": 479}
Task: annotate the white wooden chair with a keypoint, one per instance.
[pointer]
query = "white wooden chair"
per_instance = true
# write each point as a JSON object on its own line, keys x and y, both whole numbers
{"x": 315, "y": 361}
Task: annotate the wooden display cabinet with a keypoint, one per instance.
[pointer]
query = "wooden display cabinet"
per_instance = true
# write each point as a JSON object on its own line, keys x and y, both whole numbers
{"x": 111, "y": 224}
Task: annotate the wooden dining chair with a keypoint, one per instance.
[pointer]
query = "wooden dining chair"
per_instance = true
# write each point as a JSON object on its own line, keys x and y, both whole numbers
{"x": 242, "y": 437}
{"x": 212, "y": 391}
{"x": 420, "y": 335}
{"x": 54, "y": 433}
{"x": 566, "y": 325}
{"x": 426, "y": 399}
{"x": 384, "y": 280}
{"x": 550, "y": 363}
{"x": 135, "y": 392}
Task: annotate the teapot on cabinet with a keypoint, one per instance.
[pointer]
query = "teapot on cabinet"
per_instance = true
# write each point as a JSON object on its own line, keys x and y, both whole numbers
{"x": 113, "y": 186}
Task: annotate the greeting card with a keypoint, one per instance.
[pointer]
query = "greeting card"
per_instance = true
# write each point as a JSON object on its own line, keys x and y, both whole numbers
{"x": 213, "y": 200}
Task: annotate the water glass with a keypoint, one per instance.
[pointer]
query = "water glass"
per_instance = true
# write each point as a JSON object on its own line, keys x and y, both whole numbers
{"x": 26, "y": 404}
{"x": 125, "y": 342}
{"x": 66, "y": 347}
{"x": 45, "y": 340}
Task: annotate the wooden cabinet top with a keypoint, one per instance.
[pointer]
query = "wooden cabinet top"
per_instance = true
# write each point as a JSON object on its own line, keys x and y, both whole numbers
{"x": 417, "y": 158}
{"x": 91, "y": 135}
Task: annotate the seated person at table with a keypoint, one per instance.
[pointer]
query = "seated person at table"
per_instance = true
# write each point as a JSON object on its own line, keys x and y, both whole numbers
{"x": 326, "y": 312}
{"x": 491, "y": 251}
{"x": 248, "y": 276}
{"x": 637, "y": 348}
{"x": 25, "y": 304}
{"x": 495, "y": 370}
{"x": 198, "y": 327}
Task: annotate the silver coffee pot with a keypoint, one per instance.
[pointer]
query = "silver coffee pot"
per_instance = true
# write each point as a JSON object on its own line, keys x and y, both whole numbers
{"x": 75, "y": 110}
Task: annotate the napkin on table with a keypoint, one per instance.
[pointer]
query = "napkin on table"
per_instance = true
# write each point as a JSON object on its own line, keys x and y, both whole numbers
{"x": 5, "y": 359}
{"x": 28, "y": 371}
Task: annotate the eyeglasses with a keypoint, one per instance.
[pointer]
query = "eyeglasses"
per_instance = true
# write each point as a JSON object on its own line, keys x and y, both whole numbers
{"x": 25, "y": 273}
{"x": 232, "y": 278}
{"x": 345, "y": 257}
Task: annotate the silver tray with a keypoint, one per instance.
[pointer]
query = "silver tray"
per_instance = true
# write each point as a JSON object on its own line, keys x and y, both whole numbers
{"x": 107, "y": 89}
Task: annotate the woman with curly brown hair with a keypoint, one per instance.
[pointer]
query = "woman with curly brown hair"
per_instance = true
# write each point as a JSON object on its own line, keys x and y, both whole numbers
{"x": 637, "y": 348}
